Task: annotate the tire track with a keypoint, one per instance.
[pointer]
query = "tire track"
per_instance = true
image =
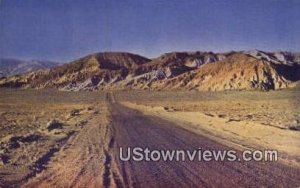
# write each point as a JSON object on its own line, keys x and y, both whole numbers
{"x": 80, "y": 162}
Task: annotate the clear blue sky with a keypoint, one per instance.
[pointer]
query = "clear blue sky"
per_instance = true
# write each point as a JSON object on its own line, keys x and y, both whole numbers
{"x": 63, "y": 30}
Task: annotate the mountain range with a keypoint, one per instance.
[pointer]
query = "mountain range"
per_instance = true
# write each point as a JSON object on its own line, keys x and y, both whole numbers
{"x": 202, "y": 71}
{"x": 9, "y": 67}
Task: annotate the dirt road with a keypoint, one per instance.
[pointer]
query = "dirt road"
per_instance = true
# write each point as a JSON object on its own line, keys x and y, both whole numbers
{"x": 80, "y": 161}
{"x": 133, "y": 129}
{"x": 90, "y": 158}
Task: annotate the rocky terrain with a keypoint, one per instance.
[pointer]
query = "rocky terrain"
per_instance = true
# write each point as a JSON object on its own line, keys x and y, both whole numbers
{"x": 9, "y": 67}
{"x": 202, "y": 71}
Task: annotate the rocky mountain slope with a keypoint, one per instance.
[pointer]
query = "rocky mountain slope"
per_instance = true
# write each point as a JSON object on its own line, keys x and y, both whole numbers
{"x": 246, "y": 70}
{"x": 9, "y": 67}
{"x": 237, "y": 72}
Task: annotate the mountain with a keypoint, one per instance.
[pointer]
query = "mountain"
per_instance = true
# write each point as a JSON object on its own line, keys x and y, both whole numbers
{"x": 237, "y": 72}
{"x": 276, "y": 57}
{"x": 9, "y": 67}
{"x": 90, "y": 72}
{"x": 244, "y": 70}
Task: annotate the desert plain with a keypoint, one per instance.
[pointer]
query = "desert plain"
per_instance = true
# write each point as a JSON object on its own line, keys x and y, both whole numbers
{"x": 51, "y": 138}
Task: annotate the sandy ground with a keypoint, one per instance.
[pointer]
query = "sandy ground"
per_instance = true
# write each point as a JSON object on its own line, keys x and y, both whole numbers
{"x": 275, "y": 108}
{"x": 247, "y": 119}
{"x": 80, "y": 162}
{"x": 64, "y": 133}
{"x": 70, "y": 139}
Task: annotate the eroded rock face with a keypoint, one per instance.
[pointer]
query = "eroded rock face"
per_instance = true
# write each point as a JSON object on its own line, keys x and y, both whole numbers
{"x": 275, "y": 57}
{"x": 186, "y": 70}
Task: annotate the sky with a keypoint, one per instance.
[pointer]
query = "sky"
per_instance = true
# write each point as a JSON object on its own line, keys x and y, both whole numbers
{"x": 63, "y": 30}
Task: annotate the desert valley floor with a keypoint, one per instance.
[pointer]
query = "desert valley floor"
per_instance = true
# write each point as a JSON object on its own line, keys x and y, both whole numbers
{"x": 51, "y": 138}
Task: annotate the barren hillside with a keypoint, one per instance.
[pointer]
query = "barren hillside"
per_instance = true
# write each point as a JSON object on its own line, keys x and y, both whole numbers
{"x": 237, "y": 72}
{"x": 185, "y": 70}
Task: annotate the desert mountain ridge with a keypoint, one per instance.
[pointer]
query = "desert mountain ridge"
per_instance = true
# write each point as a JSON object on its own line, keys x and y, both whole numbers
{"x": 10, "y": 66}
{"x": 202, "y": 71}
